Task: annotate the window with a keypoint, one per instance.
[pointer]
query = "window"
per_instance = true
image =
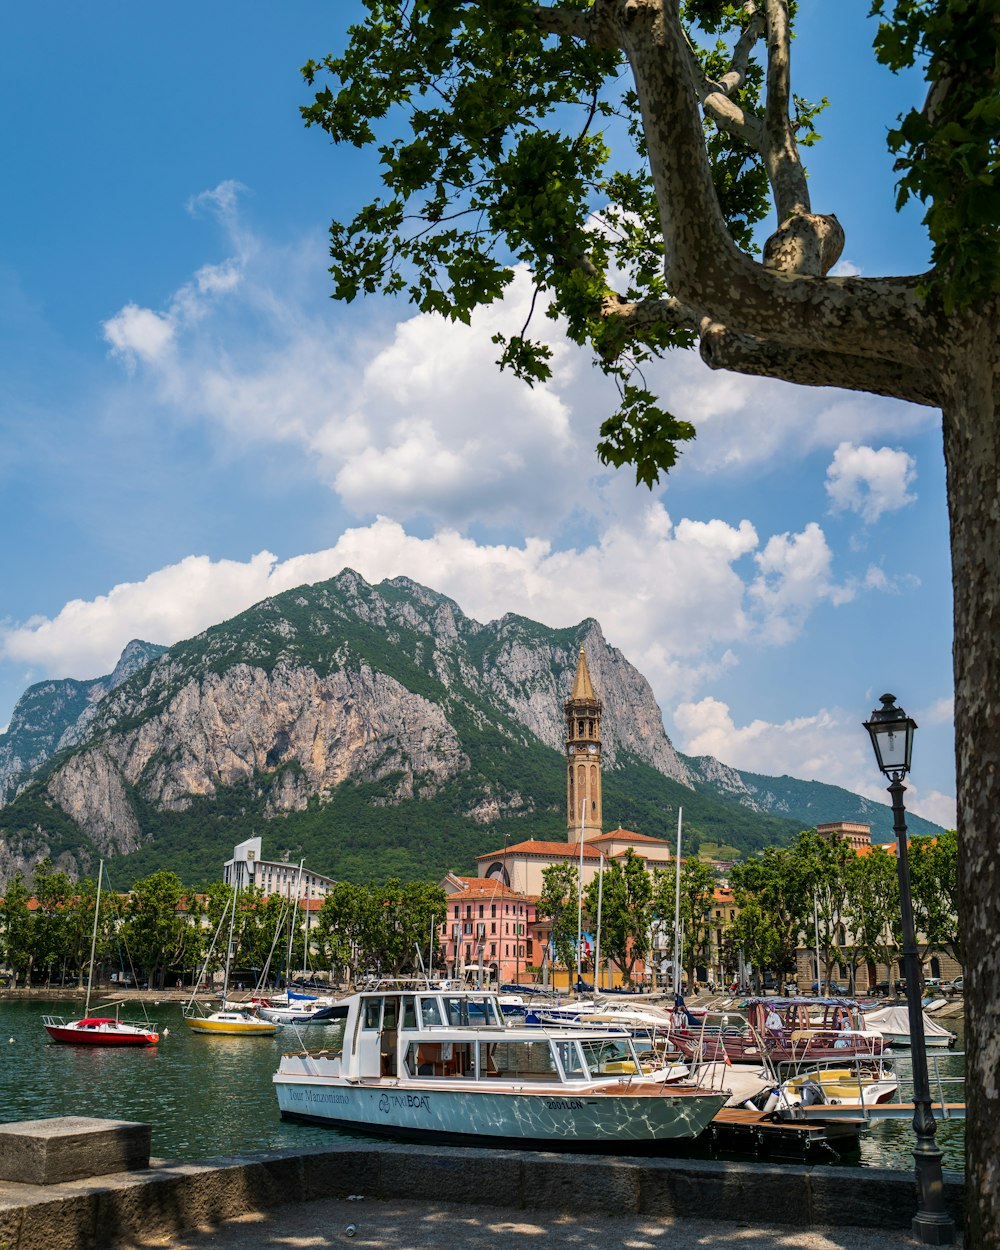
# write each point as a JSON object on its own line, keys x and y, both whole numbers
{"x": 373, "y": 1013}
{"x": 569, "y": 1058}
{"x": 409, "y": 1012}
{"x": 457, "y": 909}
{"x": 430, "y": 1013}
{"x": 530, "y": 949}
{"x": 480, "y": 911}
{"x": 493, "y": 909}
{"x": 493, "y": 927}
{"x": 493, "y": 950}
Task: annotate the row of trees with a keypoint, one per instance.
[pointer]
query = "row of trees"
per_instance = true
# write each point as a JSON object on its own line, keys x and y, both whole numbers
{"x": 786, "y": 894}
{"x": 160, "y": 931}
{"x": 782, "y": 896}
{"x": 634, "y": 905}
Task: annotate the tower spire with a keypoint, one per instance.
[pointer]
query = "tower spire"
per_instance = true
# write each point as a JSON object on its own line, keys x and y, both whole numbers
{"x": 583, "y": 756}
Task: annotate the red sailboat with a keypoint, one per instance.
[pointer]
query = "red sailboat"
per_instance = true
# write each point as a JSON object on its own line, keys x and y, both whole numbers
{"x": 99, "y": 1030}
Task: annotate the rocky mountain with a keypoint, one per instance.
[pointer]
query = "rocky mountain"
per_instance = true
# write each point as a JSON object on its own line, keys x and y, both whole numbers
{"x": 53, "y": 715}
{"x": 376, "y": 730}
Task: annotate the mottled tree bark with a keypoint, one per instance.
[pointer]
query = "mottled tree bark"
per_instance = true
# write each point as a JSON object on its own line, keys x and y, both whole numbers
{"x": 972, "y": 454}
{"x": 784, "y": 318}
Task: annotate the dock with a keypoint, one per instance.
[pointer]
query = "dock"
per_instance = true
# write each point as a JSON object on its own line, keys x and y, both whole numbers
{"x": 742, "y": 1129}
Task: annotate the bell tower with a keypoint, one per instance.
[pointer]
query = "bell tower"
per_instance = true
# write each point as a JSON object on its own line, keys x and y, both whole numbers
{"x": 583, "y": 757}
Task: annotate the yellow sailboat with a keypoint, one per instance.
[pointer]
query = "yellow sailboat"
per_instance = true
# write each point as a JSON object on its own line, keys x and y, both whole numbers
{"x": 227, "y": 1022}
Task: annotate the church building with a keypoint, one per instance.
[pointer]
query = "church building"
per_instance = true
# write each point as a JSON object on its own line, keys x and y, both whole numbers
{"x": 520, "y": 867}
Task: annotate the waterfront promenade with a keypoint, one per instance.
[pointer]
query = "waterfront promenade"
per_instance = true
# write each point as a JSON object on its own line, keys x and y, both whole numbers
{"x": 450, "y": 1226}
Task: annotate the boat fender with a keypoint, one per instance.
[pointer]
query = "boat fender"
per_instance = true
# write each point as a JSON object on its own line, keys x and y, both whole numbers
{"x": 772, "y": 1101}
{"x": 351, "y": 1229}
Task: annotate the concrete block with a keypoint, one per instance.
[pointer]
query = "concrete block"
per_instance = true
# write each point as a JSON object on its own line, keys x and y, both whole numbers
{"x": 338, "y": 1172}
{"x": 68, "y": 1222}
{"x": 717, "y": 1189}
{"x": 69, "y": 1148}
{"x": 588, "y": 1183}
{"x": 458, "y": 1174}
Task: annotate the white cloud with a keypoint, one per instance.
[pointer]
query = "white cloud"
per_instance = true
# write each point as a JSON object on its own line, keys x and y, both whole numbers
{"x": 684, "y": 607}
{"x": 824, "y": 746}
{"x": 795, "y": 574}
{"x": 415, "y": 420}
{"x": 869, "y": 481}
{"x": 139, "y": 332}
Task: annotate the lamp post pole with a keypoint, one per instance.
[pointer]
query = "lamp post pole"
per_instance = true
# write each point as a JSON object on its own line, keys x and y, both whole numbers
{"x": 891, "y": 732}
{"x": 932, "y": 1224}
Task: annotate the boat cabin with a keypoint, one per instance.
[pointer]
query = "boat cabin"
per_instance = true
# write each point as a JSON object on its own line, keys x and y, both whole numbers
{"x": 425, "y": 1034}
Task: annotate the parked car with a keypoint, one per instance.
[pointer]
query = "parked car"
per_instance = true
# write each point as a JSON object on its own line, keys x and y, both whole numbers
{"x": 830, "y": 988}
{"x": 957, "y": 986}
{"x": 933, "y": 985}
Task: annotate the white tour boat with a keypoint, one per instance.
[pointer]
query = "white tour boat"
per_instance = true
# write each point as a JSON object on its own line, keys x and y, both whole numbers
{"x": 430, "y": 1063}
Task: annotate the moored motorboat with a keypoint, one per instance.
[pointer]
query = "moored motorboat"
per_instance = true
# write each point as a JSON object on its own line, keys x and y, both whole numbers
{"x": 894, "y": 1025}
{"x": 434, "y": 1064}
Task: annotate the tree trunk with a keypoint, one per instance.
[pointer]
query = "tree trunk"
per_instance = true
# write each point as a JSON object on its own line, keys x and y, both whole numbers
{"x": 972, "y": 453}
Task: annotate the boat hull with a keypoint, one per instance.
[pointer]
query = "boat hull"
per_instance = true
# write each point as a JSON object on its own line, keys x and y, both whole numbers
{"x": 231, "y": 1028}
{"x": 112, "y": 1035}
{"x": 552, "y": 1117}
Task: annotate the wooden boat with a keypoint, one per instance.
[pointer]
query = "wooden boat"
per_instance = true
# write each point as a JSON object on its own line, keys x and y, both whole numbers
{"x": 784, "y": 1030}
{"x": 432, "y": 1064}
{"x": 99, "y": 1030}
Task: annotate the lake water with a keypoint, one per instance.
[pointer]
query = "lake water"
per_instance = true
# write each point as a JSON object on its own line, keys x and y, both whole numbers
{"x": 207, "y": 1096}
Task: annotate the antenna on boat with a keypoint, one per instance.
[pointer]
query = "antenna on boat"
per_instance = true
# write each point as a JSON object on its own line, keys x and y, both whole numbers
{"x": 420, "y": 961}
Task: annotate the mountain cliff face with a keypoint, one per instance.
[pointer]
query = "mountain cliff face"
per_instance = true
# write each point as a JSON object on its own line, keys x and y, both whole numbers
{"x": 53, "y": 715}
{"x": 376, "y": 727}
{"x": 391, "y": 688}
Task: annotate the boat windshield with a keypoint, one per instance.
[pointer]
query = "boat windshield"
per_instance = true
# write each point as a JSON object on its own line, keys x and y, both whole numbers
{"x": 466, "y": 1011}
{"x": 611, "y": 1056}
{"x": 571, "y": 1060}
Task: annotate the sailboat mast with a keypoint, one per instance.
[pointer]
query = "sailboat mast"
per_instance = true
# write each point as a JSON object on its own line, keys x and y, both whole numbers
{"x": 677, "y": 909}
{"x": 229, "y": 947}
{"x": 93, "y": 936}
{"x": 291, "y": 927}
{"x": 597, "y": 947}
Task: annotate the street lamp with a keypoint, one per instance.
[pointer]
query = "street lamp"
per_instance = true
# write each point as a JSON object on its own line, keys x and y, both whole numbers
{"x": 891, "y": 733}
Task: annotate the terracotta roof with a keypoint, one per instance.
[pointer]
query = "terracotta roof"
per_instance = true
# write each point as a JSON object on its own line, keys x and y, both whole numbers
{"x": 481, "y": 888}
{"x": 552, "y": 850}
{"x": 627, "y": 834}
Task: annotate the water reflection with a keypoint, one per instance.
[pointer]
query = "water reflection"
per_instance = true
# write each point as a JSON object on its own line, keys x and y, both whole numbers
{"x": 208, "y": 1096}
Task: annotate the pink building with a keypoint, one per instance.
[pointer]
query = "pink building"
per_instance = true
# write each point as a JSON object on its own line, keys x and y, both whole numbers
{"x": 485, "y": 915}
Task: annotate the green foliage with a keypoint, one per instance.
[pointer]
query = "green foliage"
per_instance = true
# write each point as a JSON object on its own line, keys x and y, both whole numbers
{"x": 626, "y": 910}
{"x": 496, "y": 146}
{"x": 558, "y": 903}
{"x": 15, "y": 926}
{"x": 947, "y": 151}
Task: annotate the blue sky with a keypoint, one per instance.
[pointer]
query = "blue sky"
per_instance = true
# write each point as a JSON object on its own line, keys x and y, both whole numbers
{"x": 191, "y": 424}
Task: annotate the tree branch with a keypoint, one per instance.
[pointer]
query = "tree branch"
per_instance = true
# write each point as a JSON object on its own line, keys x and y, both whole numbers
{"x": 590, "y": 25}
{"x": 743, "y": 353}
{"x": 669, "y": 313}
{"x": 879, "y": 318}
{"x": 788, "y": 180}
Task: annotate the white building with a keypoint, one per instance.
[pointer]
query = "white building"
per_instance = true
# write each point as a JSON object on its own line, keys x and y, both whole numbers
{"x": 247, "y": 868}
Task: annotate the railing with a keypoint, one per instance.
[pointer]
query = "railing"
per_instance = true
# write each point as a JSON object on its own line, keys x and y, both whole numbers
{"x": 942, "y": 1084}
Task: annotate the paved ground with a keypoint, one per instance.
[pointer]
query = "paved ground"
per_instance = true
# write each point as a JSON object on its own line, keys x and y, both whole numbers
{"x": 447, "y": 1226}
